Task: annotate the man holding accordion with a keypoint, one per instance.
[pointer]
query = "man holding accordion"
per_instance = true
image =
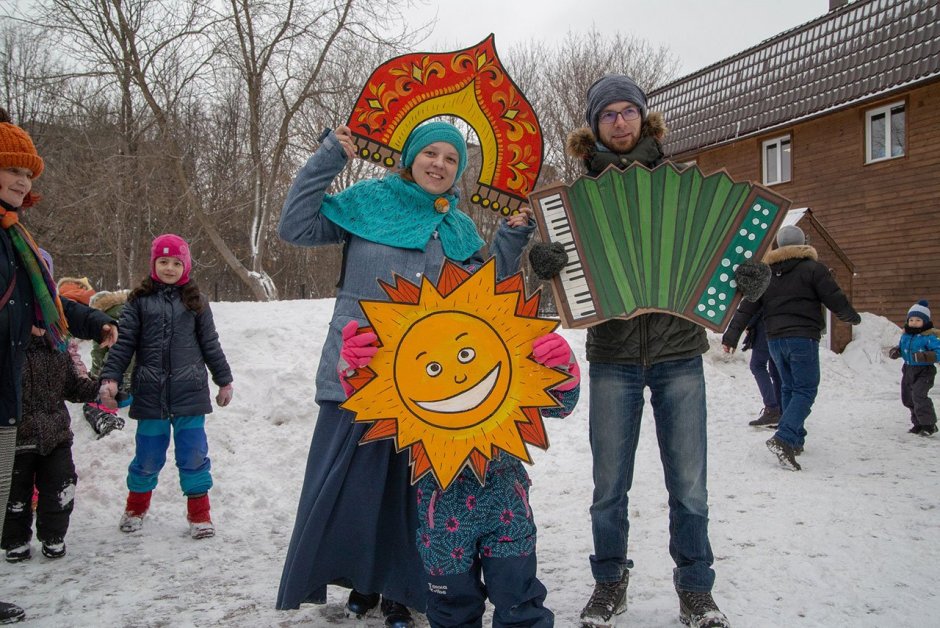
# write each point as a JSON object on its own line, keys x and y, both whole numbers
{"x": 655, "y": 350}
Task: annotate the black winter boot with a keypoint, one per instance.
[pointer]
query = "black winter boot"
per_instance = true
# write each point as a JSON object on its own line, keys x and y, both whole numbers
{"x": 396, "y": 615}
{"x": 10, "y": 613}
{"x": 359, "y": 604}
{"x": 699, "y": 610}
{"x": 785, "y": 453}
{"x": 607, "y": 600}
{"x": 769, "y": 417}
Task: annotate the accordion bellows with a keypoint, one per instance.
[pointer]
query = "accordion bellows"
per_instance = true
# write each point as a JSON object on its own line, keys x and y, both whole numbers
{"x": 662, "y": 240}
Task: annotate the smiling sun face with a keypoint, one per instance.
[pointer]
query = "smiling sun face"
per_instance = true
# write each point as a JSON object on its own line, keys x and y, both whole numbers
{"x": 453, "y": 377}
{"x": 460, "y": 378}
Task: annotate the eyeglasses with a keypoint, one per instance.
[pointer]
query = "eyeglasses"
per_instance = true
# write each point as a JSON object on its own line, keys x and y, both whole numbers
{"x": 610, "y": 117}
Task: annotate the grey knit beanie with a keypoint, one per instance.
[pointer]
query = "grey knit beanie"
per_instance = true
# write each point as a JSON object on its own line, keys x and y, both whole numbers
{"x": 612, "y": 88}
{"x": 790, "y": 235}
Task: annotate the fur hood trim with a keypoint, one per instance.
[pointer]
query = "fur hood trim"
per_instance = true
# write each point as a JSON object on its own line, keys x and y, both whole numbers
{"x": 796, "y": 251}
{"x": 581, "y": 142}
{"x": 78, "y": 281}
{"x": 104, "y": 300}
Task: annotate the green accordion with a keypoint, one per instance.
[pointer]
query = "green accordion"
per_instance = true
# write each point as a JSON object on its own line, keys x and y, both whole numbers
{"x": 662, "y": 240}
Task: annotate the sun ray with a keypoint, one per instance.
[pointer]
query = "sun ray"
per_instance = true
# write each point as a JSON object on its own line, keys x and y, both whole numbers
{"x": 453, "y": 380}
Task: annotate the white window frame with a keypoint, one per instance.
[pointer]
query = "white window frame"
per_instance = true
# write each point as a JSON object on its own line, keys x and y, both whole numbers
{"x": 778, "y": 176}
{"x": 885, "y": 111}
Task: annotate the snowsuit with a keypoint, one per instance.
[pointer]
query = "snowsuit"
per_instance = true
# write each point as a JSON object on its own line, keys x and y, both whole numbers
{"x": 100, "y": 417}
{"x": 44, "y": 446}
{"x": 172, "y": 345}
{"x": 356, "y": 518}
{"x": 917, "y": 378}
{"x": 471, "y": 529}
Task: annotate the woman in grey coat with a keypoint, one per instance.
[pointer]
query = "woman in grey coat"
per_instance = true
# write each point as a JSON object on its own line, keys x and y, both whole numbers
{"x": 356, "y": 518}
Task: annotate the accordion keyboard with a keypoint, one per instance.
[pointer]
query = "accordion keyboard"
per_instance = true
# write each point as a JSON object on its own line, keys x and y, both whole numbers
{"x": 572, "y": 277}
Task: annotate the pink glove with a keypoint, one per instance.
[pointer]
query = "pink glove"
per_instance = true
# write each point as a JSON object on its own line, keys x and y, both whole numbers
{"x": 553, "y": 351}
{"x": 357, "y": 351}
{"x": 225, "y": 395}
{"x": 106, "y": 393}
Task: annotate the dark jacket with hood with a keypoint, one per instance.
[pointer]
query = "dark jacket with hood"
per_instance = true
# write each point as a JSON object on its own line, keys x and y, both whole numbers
{"x": 173, "y": 346}
{"x": 792, "y": 304}
{"x": 50, "y": 378}
{"x": 648, "y": 338}
{"x": 16, "y": 320}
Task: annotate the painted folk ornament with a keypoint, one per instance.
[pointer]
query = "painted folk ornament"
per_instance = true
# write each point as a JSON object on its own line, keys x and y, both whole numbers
{"x": 453, "y": 380}
{"x": 469, "y": 84}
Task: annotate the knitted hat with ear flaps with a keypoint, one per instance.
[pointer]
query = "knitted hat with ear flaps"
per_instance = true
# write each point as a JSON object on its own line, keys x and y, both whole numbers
{"x": 16, "y": 147}
{"x": 170, "y": 245}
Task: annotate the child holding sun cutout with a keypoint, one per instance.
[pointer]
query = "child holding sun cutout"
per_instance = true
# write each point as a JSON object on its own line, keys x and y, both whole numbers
{"x": 469, "y": 530}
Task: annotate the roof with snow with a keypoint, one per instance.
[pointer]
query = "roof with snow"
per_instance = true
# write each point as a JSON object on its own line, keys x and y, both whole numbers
{"x": 858, "y": 52}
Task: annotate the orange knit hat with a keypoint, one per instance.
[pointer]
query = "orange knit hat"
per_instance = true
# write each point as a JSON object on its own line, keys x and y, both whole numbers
{"x": 16, "y": 147}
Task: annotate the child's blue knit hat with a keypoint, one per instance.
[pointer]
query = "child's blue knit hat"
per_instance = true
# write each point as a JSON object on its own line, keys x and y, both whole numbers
{"x": 921, "y": 311}
{"x": 430, "y": 132}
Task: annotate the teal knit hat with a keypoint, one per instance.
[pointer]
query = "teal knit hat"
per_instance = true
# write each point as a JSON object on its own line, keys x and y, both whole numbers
{"x": 430, "y": 132}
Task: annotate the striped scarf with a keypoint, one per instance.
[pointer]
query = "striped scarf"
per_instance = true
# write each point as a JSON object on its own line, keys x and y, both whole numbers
{"x": 48, "y": 310}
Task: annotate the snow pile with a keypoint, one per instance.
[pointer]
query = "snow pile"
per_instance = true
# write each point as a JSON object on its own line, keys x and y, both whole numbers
{"x": 850, "y": 540}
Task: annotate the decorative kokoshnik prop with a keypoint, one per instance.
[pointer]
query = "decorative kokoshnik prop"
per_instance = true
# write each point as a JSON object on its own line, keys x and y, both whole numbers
{"x": 454, "y": 380}
{"x": 662, "y": 240}
{"x": 470, "y": 84}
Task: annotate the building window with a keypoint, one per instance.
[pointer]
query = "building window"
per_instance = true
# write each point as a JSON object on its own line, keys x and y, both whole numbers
{"x": 776, "y": 156}
{"x": 884, "y": 132}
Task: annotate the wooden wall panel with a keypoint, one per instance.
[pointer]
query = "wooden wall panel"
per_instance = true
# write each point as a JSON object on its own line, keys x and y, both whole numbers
{"x": 885, "y": 216}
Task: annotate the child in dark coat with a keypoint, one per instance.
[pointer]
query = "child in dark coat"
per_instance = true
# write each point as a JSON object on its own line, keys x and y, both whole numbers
{"x": 167, "y": 327}
{"x": 919, "y": 346}
{"x": 44, "y": 451}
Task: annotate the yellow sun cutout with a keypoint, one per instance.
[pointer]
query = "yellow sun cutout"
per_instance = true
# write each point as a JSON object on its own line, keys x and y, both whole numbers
{"x": 453, "y": 379}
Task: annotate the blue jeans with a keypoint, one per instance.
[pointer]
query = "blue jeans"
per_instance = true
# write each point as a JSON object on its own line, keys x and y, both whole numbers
{"x": 678, "y": 400}
{"x": 767, "y": 377}
{"x": 797, "y": 360}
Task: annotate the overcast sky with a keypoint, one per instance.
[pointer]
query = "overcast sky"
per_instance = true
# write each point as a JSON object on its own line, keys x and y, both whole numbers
{"x": 699, "y": 32}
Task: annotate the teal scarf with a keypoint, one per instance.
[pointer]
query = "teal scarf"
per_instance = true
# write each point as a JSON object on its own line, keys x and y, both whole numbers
{"x": 399, "y": 213}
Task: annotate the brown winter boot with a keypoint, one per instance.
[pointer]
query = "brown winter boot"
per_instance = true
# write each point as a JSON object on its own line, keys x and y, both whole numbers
{"x": 197, "y": 512}
{"x": 137, "y": 506}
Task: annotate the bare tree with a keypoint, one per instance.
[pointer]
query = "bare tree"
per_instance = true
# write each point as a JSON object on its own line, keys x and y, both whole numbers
{"x": 556, "y": 81}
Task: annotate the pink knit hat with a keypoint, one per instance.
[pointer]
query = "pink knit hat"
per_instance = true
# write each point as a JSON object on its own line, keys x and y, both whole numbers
{"x": 170, "y": 245}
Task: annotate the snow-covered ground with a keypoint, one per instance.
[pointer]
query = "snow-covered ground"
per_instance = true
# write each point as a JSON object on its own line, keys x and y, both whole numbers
{"x": 853, "y": 539}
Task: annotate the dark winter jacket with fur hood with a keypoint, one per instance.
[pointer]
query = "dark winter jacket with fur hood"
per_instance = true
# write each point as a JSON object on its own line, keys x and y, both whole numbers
{"x": 648, "y": 338}
{"x": 799, "y": 285}
{"x": 173, "y": 346}
{"x": 50, "y": 378}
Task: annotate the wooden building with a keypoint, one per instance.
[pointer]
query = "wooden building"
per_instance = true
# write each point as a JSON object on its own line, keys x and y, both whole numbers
{"x": 841, "y": 114}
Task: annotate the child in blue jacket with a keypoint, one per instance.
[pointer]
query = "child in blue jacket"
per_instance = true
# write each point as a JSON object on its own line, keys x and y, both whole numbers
{"x": 918, "y": 346}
